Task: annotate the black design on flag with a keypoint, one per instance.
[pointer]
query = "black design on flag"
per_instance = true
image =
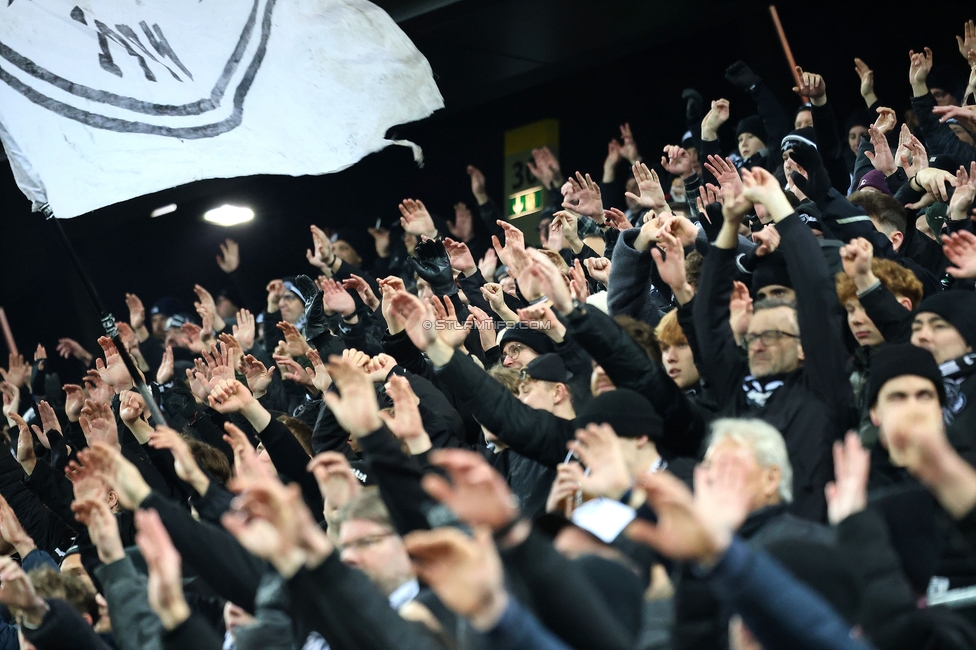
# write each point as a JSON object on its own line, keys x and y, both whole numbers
{"x": 83, "y": 101}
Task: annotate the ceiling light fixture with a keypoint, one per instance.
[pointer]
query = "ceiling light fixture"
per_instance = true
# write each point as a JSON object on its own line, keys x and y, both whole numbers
{"x": 229, "y": 215}
{"x": 166, "y": 209}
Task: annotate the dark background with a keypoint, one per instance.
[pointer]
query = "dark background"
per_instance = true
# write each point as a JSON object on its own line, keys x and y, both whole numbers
{"x": 499, "y": 65}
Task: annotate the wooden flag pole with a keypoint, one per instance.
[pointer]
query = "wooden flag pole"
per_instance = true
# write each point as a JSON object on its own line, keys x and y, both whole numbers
{"x": 786, "y": 48}
{"x": 7, "y": 334}
{"x": 108, "y": 321}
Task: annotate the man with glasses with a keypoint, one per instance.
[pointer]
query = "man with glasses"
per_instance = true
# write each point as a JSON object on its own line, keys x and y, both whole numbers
{"x": 793, "y": 374}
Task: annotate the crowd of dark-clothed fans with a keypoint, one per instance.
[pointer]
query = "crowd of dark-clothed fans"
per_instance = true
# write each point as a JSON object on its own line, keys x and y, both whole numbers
{"x": 729, "y": 403}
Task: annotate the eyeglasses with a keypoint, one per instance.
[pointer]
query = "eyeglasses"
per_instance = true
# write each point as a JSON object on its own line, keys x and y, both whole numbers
{"x": 514, "y": 351}
{"x": 769, "y": 337}
{"x": 363, "y": 543}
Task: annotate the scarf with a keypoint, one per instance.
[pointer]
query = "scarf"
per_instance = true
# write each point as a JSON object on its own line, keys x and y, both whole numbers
{"x": 954, "y": 373}
{"x": 758, "y": 391}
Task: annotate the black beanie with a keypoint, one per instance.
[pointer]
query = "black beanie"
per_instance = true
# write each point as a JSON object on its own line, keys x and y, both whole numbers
{"x": 629, "y": 413}
{"x": 804, "y": 135}
{"x": 359, "y": 240}
{"x": 958, "y": 308}
{"x": 898, "y": 360}
{"x": 530, "y": 338}
{"x": 770, "y": 269}
{"x": 825, "y": 570}
{"x": 754, "y": 125}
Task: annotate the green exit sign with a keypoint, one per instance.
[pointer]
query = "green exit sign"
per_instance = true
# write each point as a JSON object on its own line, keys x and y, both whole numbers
{"x": 526, "y": 202}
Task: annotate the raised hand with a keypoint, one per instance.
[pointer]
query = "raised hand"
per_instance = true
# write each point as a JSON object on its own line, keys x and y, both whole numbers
{"x": 578, "y": 285}
{"x": 257, "y": 375}
{"x": 98, "y": 424}
{"x": 103, "y": 528}
{"x": 230, "y": 396}
{"x": 847, "y": 494}
{"x": 416, "y": 220}
{"x": 360, "y": 286}
{"x": 551, "y": 282}
{"x": 477, "y": 184}
{"x": 967, "y": 42}
{"x": 355, "y": 407}
{"x": 451, "y": 331}
{"x": 768, "y": 239}
{"x": 247, "y": 467}
{"x": 617, "y": 219}
{"x": 545, "y": 168}
{"x": 554, "y": 241}
{"x": 866, "y": 75}
{"x": 230, "y": 256}
{"x": 381, "y": 241}
{"x": 132, "y": 409}
{"x": 166, "y": 367}
{"x": 886, "y": 120}
{"x": 463, "y": 226}
{"x": 962, "y": 199}
{"x": 918, "y": 71}
{"x": 669, "y": 257}
{"x": 812, "y": 86}
{"x": 119, "y": 474}
{"x": 272, "y": 522}
{"x": 320, "y": 255}
{"x": 461, "y": 258}
{"x": 677, "y": 161}
{"x": 337, "y": 483}
{"x": 416, "y": 317}
{"x": 584, "y": 197}
{"x": 740, "y": 309}
{"x": 291, "y": 370}
{"x": 598, "y": 447}
{"x": 244, "y": 330}
{"x": 295, "y": 343}
{"x": 724, "y": 172}
{"x": 379, "y": 367}
{"x": 195, "y": 336}
{"x": 960, "y": 249}
{"x": 320, "y": 379}
{"x": 610, "y": 163}
{"x": 476, "y": 493}
{"x": 11, "y": 401}
{"x": 137, "y": 315}
{"x": 567, "y": 489}
{"x": 49, "y": 420}
{"x": 68, "y": 348}
{"x": 488, "y": 264}
{"x": 113, "y": 372}
{"x": 405, "y": 422}
{"x": 629, "y": 148}
{"x": 165, "y": 566}
{"x": 599, "y": 269}
{"x": 183, "y": 461}
{"x": 881, "y": 158}
{"x": 207, "y": 304}
{"x": 485, "y": 326}
{"x": 17, "y": 591}
{"x": 97, "y": 389}
{"x": 649, "y": 186}
{"x": 13, "y": 532}
{"x": 715, "y": 118}
{"x": 25, "y": 444}
{"x": 464, "y": 571}
{"x": 933, "y": 181}
{"x": 18, "y": 372}
{"x": 512, "y": 254}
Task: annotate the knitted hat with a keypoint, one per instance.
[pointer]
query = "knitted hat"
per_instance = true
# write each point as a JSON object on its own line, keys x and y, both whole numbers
{"x": 898, "y": 360}
{"x": 530, "y": 338}
{"x": 754, "y": 125}
{"x": 770, "y": 269}
{"x": 804, "y": 135}
{"x": 358, "y": 240}
{"x": 876, "y": 180}
{"x": 167, "y": 307}
{"x": 548, "y": 367}
{"x": 629, "y": 413}
{"x": 958, "y": 308}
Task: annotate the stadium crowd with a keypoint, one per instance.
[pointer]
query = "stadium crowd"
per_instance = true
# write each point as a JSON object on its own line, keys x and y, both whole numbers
{"x": 729, "y": 403}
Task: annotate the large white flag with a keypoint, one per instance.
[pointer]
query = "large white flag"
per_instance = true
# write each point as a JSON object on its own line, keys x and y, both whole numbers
{"x": 105, "y": 100}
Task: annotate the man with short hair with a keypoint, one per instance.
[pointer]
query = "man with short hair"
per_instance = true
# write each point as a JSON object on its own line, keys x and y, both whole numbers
{"x": 945, "y": 325}
{"x": 795, "y": 376}
{"x": 700, "y": 620}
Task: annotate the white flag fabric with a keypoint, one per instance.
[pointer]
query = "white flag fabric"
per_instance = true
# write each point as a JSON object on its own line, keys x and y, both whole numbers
{"x": 105, "y": 100}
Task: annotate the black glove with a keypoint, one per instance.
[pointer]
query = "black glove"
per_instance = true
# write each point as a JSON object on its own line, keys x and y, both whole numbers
{"x": 741, "y": 76}
{"x": 433, "y": 264}
{"x": 693, "y": 106}
{"x": 316, "y": 320}
{"x": 817, "y": 183}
